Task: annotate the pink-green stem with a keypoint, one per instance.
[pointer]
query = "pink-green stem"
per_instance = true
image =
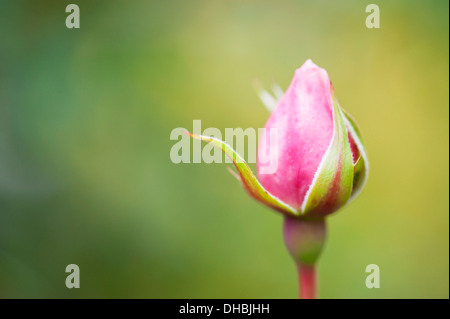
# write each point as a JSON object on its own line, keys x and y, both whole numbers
{"x": 307, "y": 281}
{"x": 304, "y": 239}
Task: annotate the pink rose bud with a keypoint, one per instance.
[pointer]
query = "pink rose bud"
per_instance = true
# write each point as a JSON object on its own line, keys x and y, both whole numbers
{"x": 321, "y": 165}
{"x": 321, "y": 160}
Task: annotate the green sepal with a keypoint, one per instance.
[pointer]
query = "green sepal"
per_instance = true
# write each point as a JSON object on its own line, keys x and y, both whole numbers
{"x": 332, "y": 184}
{"x": 248, "y": 179}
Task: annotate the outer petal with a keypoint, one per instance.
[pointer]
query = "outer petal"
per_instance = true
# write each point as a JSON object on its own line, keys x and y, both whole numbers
{"x": 248, "y": 179}
{"x": 332, "y": 184}
{"x": 361, "y": 164}
{"x": 304, "y": 121}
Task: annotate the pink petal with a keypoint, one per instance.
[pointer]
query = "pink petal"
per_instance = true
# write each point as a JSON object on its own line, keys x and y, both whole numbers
{"x": 304, "y": 121}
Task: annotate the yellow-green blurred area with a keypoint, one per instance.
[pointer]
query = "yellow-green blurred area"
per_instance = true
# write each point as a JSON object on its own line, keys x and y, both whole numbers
{"x": 85, "y": 170}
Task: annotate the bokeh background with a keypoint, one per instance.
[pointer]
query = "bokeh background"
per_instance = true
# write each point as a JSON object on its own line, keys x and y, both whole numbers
{"x": 85, "y": 172}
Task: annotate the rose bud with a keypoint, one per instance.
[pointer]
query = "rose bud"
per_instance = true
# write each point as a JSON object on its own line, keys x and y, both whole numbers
{"x": 321, "y": 160}
{"x": 321, "y": 165}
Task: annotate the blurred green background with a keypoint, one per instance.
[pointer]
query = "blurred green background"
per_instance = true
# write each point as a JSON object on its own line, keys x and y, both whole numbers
{"x": 85, "y": 172}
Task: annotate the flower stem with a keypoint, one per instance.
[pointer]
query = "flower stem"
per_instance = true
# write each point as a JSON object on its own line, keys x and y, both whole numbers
{"x": 304, "y": 239}
{"x": 307, "y": 281}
